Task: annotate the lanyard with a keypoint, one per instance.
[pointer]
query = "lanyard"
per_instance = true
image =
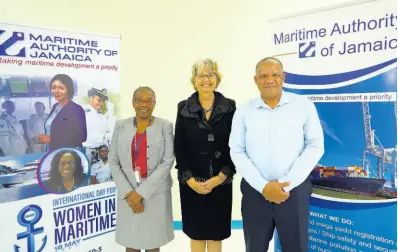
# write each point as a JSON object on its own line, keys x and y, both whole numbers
{"x": 138, "y": 146}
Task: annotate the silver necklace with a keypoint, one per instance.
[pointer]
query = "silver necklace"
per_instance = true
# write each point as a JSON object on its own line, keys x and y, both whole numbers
{"x": 211, "y": 107}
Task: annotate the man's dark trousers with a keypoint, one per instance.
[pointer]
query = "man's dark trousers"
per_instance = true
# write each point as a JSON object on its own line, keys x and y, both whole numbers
{"x": 260, "y": 217}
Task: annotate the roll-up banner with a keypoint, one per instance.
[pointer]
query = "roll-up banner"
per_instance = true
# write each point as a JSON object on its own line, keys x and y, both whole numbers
{"x": 59, "y": 93}
{"x": 344, "y": 59}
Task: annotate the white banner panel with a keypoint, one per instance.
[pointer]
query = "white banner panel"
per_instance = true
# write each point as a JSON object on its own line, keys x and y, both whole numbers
{"x": 59, "y": 92}
{"x": 344, "y": 59}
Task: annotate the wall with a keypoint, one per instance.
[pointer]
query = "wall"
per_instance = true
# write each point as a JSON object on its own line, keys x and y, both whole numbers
{"x": 162, "y": 39}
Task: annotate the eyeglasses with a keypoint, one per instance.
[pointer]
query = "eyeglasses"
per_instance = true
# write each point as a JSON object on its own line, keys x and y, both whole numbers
{"x": 148, "y": 102}
{"x": 203, "y": 76}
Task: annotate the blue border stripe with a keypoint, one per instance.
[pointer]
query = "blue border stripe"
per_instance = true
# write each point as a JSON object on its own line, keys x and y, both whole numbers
{"x": 235, "y": 224}
{"x": 113, "y": 195}
{"x": 299, "y": 79}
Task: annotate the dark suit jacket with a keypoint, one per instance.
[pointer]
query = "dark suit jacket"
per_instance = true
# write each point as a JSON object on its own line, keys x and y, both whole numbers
{"x": 201, "y": 146}
{"x": 69, "y": 127}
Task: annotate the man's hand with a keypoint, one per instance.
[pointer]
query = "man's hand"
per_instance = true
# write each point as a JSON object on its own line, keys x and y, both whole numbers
{"x": 133, "y": 198}
{"x": 197, "y": 187}
{"x": 139, "y": 208}
{"x": 273, "y": 192}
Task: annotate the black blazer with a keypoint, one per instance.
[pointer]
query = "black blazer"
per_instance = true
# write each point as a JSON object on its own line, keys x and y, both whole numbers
{"x": 201, "y": 146}
{"x": 68, "y": 127}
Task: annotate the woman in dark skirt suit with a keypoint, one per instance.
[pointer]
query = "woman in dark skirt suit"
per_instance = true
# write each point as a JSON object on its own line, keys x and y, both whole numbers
{"x": 205, "y": 169}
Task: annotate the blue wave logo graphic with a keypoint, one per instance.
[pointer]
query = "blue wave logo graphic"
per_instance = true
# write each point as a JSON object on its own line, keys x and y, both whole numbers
{"x": 299, "y": 79}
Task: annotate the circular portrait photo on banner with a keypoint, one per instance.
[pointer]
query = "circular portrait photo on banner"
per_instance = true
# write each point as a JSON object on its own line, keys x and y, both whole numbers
{"x": 63, "y": 170}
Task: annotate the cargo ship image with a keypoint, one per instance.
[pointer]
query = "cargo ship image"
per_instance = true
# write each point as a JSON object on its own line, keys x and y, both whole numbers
{"x": 9, "y": 176}
{"x": 351, "y": 180}
{"x": 361, "y": 181}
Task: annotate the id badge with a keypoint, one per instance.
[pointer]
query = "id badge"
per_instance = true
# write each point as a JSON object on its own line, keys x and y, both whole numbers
{"x": 137, "y": 174}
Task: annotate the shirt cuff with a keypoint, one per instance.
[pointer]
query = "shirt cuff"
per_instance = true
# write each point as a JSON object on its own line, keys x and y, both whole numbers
{"x": 184, "y": 176}
{"x": 259, "y": 184}
{"x": 289, "y": 187}
{"x": 126, "y": 195}
{"x": 227, "y": 171}
{"x": 142, "y": 193}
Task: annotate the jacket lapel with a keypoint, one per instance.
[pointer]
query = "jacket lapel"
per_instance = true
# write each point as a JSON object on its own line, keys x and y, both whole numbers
{"x": 129, "y": 133}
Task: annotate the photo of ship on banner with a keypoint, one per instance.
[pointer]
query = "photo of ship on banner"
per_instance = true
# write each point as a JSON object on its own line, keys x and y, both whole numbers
{"x": 348, "y": 68}
{"x": 356, "y": 103}
{"x": 50, "y": 99}
{"x": 371, "y": 176}
{"x": 59, "y": 102}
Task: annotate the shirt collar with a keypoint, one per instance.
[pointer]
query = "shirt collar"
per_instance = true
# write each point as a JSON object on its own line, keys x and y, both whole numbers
{"x": 102, "y": 162}
{"x": 59, "y": 107}
{"x": 285, "y": 99}
{"x": 91, "y": 107}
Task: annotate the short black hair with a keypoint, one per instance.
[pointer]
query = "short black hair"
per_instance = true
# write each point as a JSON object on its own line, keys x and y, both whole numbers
{"x": 5, "y": 103}
{"x": 144, "y": 87}
{"x": 40, "y": 103}
{"x": 103, "y": 146}
{"x": 67, "y": 81}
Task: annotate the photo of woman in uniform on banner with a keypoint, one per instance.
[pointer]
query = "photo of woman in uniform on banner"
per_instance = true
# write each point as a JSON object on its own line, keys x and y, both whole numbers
{"x": 35, "y": 127}
{"x": 101, "y": 171}
{"x": 12, "y": 140}
{"x": 42, "y": 113}
{"x": 96, "y": 124}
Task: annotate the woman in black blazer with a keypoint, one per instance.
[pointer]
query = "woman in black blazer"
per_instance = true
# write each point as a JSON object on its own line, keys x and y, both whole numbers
{"x": 205, "y": 168}
{"x": 66, "y": 124}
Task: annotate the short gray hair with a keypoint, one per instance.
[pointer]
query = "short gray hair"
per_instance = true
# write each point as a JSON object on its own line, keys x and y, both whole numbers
{"x": 269, "y": 59}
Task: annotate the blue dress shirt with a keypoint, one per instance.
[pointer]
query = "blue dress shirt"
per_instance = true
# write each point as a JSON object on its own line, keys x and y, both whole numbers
{"x": 49, "y": 121}
{"x": 284, "y": 143}
{"x": 51, "y": 118}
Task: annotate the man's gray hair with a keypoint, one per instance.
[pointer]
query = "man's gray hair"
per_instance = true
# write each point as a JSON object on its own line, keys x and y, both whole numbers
{"x": 268, "y": 59}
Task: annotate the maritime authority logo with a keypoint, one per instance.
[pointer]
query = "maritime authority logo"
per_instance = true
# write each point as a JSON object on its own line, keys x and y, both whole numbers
{"x": 307, "y": 49}
{"x": 29, "y": 218}
{"x": 12, "y": 44}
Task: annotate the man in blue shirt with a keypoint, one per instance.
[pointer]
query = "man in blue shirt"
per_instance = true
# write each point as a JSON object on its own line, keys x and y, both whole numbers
{"x": 275, "y": 142}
